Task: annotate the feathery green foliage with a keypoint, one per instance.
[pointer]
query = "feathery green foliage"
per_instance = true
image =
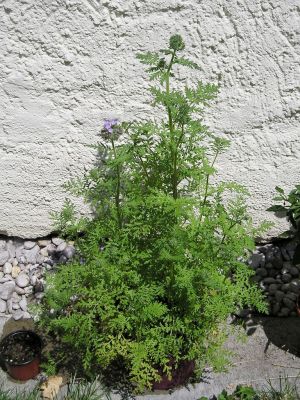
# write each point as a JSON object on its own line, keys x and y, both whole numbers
{"x": 160, "y": 264}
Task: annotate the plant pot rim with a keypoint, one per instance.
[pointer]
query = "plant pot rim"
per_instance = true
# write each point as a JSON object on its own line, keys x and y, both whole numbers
{"x": 16, "y": 333}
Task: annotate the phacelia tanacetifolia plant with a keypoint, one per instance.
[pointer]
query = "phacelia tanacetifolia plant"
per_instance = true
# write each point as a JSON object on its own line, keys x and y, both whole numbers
{"x": 158, "y": 269}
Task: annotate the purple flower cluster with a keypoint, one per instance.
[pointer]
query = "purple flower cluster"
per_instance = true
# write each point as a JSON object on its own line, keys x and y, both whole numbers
{"x": 109, "y": 124}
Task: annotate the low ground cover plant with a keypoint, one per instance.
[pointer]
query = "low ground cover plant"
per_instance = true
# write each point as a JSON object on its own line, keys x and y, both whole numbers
{"x": 159, "y": 265}
{"x": 289, "y": 206}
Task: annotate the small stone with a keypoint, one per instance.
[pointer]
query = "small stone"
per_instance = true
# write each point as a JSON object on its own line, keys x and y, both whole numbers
{"x": 22, "y": 280}
{"x": 7, "y": 289}
{"x": 28, "y": 290}
{"x": 243, "y": 313}
{"x": 289, "y": 303}
{"x": 62, "y": 259}
{"x": 15, "y": 297}
{"x": 44, "y": 252}
{"x": 256, "y": 260}
{"x": 15, "y": 271}
{"x": 269, "y": 265}
{"x": 273, "y": 287}
{"x": 57, "y": 241}
{"x": 277, "y": 263}
{"x": 4, "y": 256}
{"x": 11, "y": 249}
{"x": 61, "y": 247}
{"x": 39, "y": 259}
{"x": 292, "y": 296}
{"x": 262, "y": 285}
{"x": 20, "y": 253}
{"x": 285, "y": 287}
{"x": 269, "y": 280}
{"x": 15, "y": 262}
{"x": 287, "y": 264}
{"x": 276, "y": 308}
{"x": 51, "y": 249}
{"x": 262, "y": 272}
{"x": 2, "y": 245}
{"x": 1, "y": 274}
{"x": 43, "y": 243}
{"x": 284, "y": 312}
{"x": 29, "y": 245}
{"x": 9, "y": 305}
{"x": 26, "y": 315}
{"x": 290, "y": 248}
{"x": 19, "y": 290}
{"x": 33, "y": 280}
{"x": 5, "y": 279}
{"x": 15, "y": 306}
{"x": 69, "y": 252}
{"x": 279, "y": 295}
{"x": 286, "y": 278}
{"x": 294, "y": 271}
{"x": 22, "y": 261}
{"x": 272, "y": 273}
{"x": 38, "y": 287}
{"x": 2, "y": 306}
{"x": 31, "y": 255}
{"x": 18, "y": 315}
{"x": 23, "y": 304}
{"x": 22, "y": 267}
{"x": 265, "y": 248}
{"x": 285, "y": 254}
{"x": 285, "y": 271}
{"x": 39, "y": 295}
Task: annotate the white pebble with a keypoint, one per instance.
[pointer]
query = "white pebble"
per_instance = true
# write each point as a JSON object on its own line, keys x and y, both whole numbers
{"x": 23, "y": 304}
{"x": 2, "y": 306}
{"x": 15, "y": 262}
{"x": 7, "y": 267}
{"x": 19, "y": 290}
{"x": 29, "y": 245}
{"x": 22, "y": 280}
{"x": 18, "y": 315}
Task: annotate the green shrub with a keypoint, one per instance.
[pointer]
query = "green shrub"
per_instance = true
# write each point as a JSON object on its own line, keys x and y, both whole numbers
{"x": 160, "y": 263}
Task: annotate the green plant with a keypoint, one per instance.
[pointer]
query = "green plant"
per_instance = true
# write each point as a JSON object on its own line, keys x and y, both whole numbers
{"x": 12, "y": 394}
{"x": 159, "y": 266}
{"x": 240, "y": 393}
{"x": 49, "y": 366}
{"x": 290, "y": 207}
{"x": 285, "y": 391}
{"x": 82, "y": 390}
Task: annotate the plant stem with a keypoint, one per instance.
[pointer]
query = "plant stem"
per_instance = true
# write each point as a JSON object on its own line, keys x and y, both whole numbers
{"x": 175, "y": 178}
{"x": 117, "y": 196}
{"x": 206, "y": 186}
{"x": 171, "y": 130}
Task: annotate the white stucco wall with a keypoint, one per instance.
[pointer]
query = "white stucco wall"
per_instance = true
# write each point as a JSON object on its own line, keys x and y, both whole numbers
{"x": 67, "y": 64}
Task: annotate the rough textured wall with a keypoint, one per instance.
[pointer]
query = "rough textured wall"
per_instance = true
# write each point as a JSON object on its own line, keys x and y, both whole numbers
{"x": 67, "y": 64}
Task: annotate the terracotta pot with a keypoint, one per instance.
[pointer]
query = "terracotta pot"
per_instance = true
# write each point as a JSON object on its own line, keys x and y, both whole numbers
{"x": 180, "y": 375}
{"x": 29, "y": 368}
